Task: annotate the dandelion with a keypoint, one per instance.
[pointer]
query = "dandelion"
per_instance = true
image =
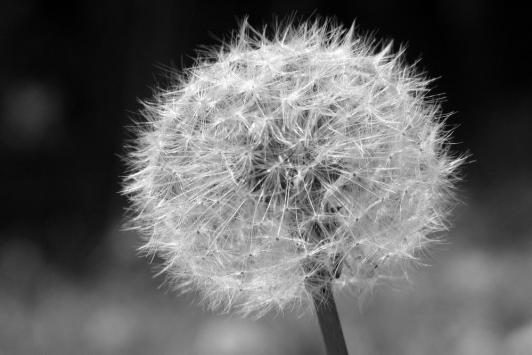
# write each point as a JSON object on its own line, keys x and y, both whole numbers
{"x": 279, "y": 166}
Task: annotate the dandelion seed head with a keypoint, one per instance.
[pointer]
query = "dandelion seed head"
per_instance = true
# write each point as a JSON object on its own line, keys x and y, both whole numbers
{"x": 279, "y": 163}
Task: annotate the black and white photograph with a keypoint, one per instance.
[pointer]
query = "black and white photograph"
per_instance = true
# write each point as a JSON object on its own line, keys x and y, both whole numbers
{"x": 265, "y": 177}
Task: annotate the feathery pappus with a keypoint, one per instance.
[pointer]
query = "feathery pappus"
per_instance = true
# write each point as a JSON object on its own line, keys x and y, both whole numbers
{"x": 281, "y": 162}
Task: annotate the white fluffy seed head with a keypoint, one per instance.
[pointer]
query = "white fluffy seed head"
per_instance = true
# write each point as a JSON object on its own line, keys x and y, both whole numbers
{"x": 279, "y": 163}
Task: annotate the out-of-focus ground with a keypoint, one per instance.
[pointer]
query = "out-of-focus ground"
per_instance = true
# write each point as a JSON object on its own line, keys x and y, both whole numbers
{"x": 470, "y": 300}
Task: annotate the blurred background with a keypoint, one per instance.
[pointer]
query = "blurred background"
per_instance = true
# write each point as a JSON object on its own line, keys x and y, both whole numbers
{"x": 71, "y": 75}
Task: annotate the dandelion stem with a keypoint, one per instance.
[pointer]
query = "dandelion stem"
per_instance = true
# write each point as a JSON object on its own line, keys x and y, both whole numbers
{"x": 331, "y": 328}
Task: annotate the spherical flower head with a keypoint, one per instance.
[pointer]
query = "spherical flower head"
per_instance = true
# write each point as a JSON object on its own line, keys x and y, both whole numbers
{"x": 279, "y": 163}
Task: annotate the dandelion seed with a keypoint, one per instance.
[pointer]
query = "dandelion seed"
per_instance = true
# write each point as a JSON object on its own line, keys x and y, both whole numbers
{"x": 277, "y": 165}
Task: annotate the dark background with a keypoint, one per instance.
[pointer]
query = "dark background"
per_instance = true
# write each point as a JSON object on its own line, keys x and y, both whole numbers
{"x": 71, "y": 75}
